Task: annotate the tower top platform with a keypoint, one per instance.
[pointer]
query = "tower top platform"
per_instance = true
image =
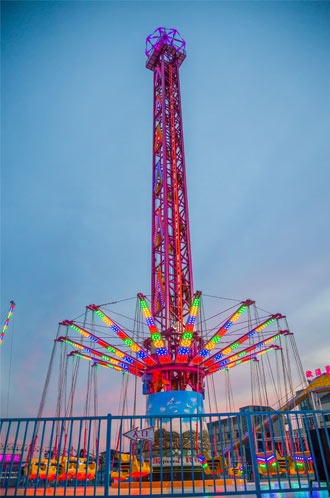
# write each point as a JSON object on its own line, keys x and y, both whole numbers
{"x": 164, "y": 40}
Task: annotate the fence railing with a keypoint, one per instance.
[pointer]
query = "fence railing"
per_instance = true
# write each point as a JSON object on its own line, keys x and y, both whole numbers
{"x": 227, "y": 453}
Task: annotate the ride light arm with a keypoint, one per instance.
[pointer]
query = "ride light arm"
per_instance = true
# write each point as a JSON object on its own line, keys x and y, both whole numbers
{"x": 128, "y": 370}
{"x": 223, "y": 365}
{"x": 187, "y": 336}
{"x": 217, "y": 357}
{"x": 140, "y": 352}
{"x": 157, "y": 341}
{"x": 201, "y": 355}
{"x": 104, "y": 344}
{"x": 104, "y": 357}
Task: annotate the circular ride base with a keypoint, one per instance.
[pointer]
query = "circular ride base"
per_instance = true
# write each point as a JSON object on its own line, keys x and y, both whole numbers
{"x": 177, "y": 436}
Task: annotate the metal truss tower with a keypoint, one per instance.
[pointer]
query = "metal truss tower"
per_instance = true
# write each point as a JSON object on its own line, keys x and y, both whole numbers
{"x": 171, "y": 271}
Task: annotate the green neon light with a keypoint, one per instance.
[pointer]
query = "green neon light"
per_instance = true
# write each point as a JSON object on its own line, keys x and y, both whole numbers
{"x": 216, "y": 339}
{"x": 69, "y": 342}
{"x": 75, "y": 328}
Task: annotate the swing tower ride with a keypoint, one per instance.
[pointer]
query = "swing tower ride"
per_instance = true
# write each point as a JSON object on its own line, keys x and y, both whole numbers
{"x": 175, "y": 359}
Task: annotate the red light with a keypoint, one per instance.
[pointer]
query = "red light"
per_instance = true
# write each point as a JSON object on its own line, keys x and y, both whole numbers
{"x": 182, "y": 358}
{"x": 149, "y": 361}
{"x": 103, "y": 344}
{"x": 164, "y": 359}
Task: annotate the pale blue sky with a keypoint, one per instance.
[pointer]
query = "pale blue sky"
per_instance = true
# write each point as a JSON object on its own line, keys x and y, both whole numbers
{"x": 76, "y": 165}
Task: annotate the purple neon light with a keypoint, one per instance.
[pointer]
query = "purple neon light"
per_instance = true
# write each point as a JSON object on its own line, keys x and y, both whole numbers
{"x": 8, "y": 458}
{"x": 164, "y": 36}
{"x": 268, "y": 459}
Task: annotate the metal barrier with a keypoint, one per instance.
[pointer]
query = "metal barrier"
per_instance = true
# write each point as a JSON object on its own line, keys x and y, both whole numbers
{"x": 243, "y": 453}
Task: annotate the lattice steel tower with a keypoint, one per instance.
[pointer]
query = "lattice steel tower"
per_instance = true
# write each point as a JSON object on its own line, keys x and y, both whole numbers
{"x": 171, "y": 272}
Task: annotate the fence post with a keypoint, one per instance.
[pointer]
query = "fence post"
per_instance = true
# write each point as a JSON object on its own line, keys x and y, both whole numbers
{"x": 108, "y": 456}
{"x": 253, "y": 454}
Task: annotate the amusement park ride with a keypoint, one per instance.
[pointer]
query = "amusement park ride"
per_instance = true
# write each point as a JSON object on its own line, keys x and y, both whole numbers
{"x": 179, "y": 358}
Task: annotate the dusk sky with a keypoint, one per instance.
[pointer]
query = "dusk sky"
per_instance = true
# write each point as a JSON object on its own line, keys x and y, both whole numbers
{"x": 76, "y": 166}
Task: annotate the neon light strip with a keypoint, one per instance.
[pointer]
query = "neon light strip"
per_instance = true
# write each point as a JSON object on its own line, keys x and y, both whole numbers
{"x": 231, "y": 365}
{"x": 159, "y": 291}
{"x": 99, "y": 362}
{"x": 156, "y": 338}
{"x": 140, "y": 352}
{"x": 97, "y": 353}
{"x": 159, "y": 137}
{"x": 185, "y": 344}
{"x": 108, "y": 365}
{"x": 158, "y": 104}
{"x": 223, "y": 365}
{"x": 157, "y": 173}
{"x": 4, "y": 328}
{"x": 158, "y": 74}
{"x": 200, "y": 356}
{"x": 302, "y": 459}
{"x": 120, "y": 365}
{"x": 109, "y": 347}
{"x": 269, "y": 459}
{"x": 214, "y": 359}
{"x": 159, "y": 223}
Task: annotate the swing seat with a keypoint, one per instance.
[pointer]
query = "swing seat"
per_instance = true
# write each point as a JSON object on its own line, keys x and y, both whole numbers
{"x": 69, "y": 468}
{"x": 138, "y": 470}
{"x": 124, "y": 469}
{"x": 283, "y": 463}
{"x": 61, "y": 475}
{"x": 44, "y": 465}
{"x": 81, "y": 471}
{"x": 267, "y": 463}
{"x": 66, "y": 469}
{"x": 72, "y": 468}
{"x": 91, "y": 469}
{"x": 218, "y": 463}
{"x": 52, "y": 469}
{"x": 33, "y": 469}
{"x": 122, "y": 477}
{"x": 42, "y": 469}
{"x": 237, "y": 471}
{"x": 145, "y": 468}
{"x": 303, "y": 461}
{"x": 135, "y": 468}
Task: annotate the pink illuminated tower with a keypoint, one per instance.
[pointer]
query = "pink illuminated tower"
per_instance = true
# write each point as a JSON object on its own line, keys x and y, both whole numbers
{"x": 171, "y": 269}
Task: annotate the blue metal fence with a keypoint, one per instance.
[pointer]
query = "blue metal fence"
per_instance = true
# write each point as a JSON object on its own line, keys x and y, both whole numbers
{"x": 243, "y": 453}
